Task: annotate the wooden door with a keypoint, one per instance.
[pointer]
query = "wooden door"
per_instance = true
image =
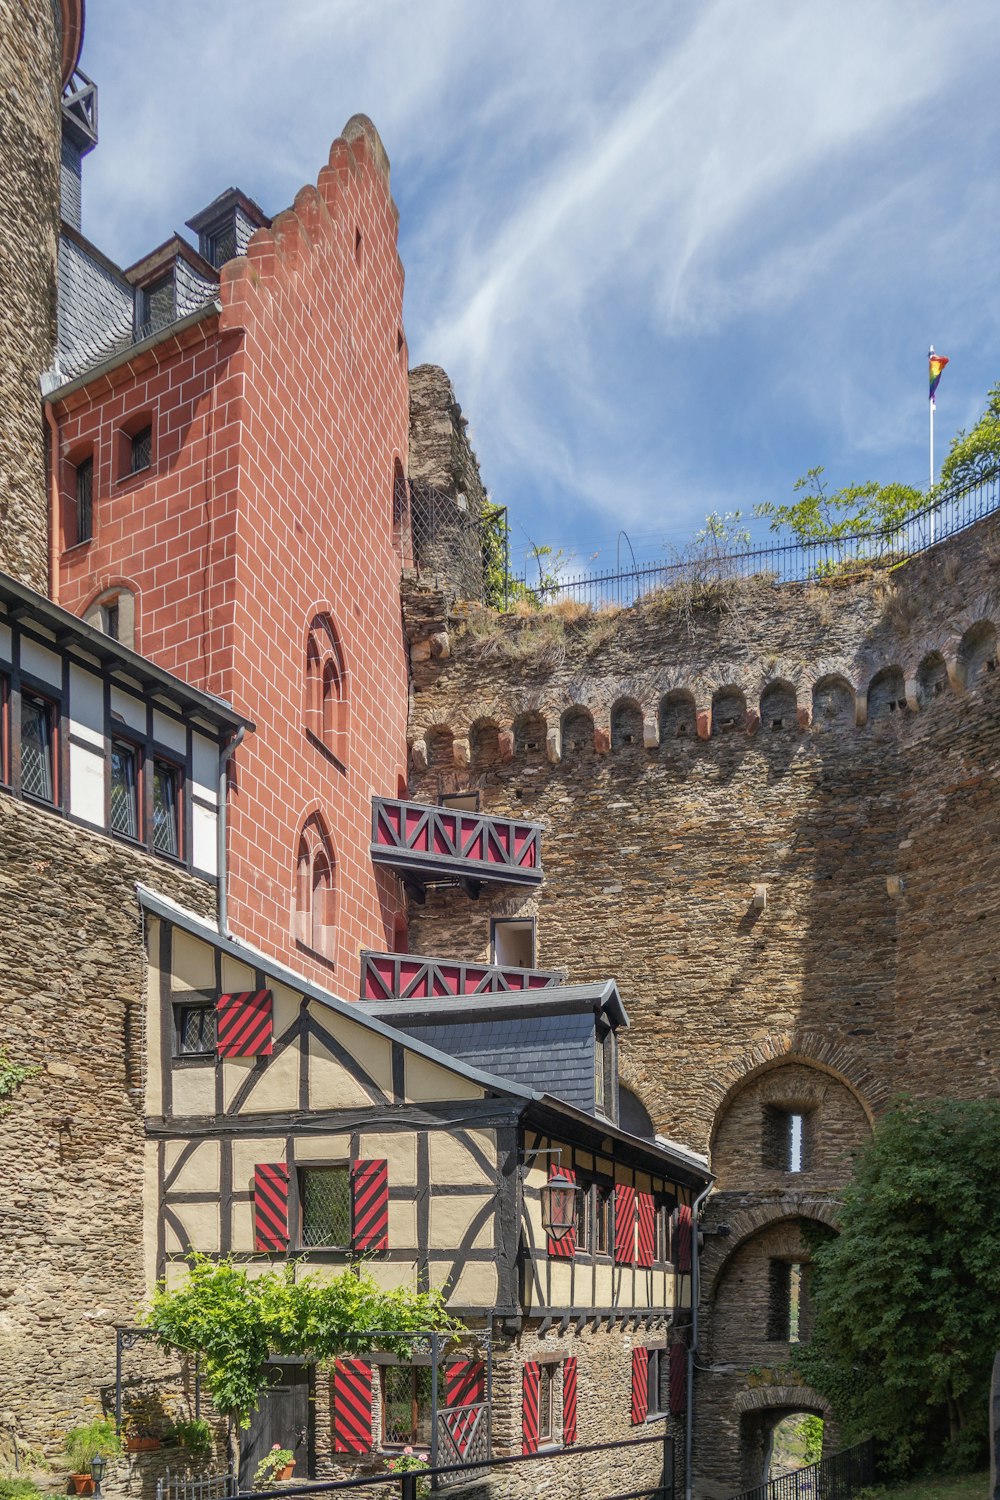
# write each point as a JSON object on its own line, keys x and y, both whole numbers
{"x": 283, "y": 1416}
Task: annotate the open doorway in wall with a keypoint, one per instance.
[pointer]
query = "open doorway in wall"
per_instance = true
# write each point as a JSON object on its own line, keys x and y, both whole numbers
{"x": 512, "y": 942}
{"x": 283, "y": 1417}
{"x": 796, "y": 1442}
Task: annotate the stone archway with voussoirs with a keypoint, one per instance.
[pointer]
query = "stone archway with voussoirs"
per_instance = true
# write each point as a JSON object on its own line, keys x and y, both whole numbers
{"x": 761, "y": 1410}
{"x": 747, "y": 1222}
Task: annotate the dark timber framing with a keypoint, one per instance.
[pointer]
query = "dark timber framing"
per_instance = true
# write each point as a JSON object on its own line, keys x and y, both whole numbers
{"x": 436, "y": 846}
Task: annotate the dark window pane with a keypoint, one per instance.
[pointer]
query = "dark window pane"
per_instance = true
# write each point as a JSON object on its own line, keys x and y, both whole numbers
{"x": 165, "y": 832}
{"x": 85, "y": 500}
{"x": 124, "y": 794}
{"x": 111, "y": 619}
{"x": 406, "y": 1404}
{"x": 326, "y": 1206}
{"x": 546, "y": 1391}
{"x": 36, "y": 747}
{"x": 158, "y": 305}
{"x": 142, "y": 449}
{"x": 194, "y": 1029}
{"x": 222, "y": 245}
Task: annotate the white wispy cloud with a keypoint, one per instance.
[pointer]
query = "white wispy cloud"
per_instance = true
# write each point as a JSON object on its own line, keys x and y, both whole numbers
{"x": 666, "y": 252}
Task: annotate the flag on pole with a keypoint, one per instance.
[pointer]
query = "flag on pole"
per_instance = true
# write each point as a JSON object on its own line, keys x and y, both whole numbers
{"x": 936, "y": 364}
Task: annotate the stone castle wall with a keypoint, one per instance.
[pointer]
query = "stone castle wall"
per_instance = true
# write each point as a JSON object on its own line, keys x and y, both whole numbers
{"x": 30, "y": 135}
{"x": 72, "y": 972}
{"x": 837, "y": 746}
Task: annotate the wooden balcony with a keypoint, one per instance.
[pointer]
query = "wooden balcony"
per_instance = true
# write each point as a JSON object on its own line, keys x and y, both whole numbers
{"x": 410, "y": 976}
{"x": 442, "y": 846}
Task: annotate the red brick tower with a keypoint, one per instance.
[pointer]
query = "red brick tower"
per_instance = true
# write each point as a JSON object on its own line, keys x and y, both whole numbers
{"x": 242, "y": 511}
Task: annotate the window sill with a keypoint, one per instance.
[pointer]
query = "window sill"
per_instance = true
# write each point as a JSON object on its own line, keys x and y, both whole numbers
{"x": 323, "y": 958}
{"x": 78, "y": 547}
{"x": 653, "y": 1417}
{"x": 194, "y": 1059}
{"x": 325, "y": 751}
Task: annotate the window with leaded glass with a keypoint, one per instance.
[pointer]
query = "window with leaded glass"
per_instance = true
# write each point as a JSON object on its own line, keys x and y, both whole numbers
{"x": 602, "y": 1221}
{"x": 166, "y": 828}
{"x": 194, "y": 1029}
{"x": 142, "y": 449}
{"x": 85, "y": 500}
{"x": 221, "y": 244}
{"x": 37, "y": 759}
{"x": 325, "y": 1202}
{"x": 406, "y": 1405}
{"x": 547, "y": 1403}
{"x": 124, "y": 789}
{"x": 584, "y": 1219}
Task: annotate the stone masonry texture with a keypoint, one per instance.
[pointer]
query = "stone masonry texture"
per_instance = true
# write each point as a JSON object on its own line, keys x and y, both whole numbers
{"x": 29, "y": 210}
{"x": 837, "y": 745}
{"x": 72, "y": 977}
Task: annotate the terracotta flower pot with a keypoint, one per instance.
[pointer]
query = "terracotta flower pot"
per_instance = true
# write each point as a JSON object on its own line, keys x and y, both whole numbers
{"x": 286, "y": 1472}
{"x": 141, "y": 1445}
{"x": 83, "y": 1484}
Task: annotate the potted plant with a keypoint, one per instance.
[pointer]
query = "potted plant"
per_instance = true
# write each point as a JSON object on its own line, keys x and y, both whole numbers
{"x": 276, "y": 1465}
{"x": 194, "y": 1436}
{"x": 409, "y": 1462}
{"x": 97, "y": 1439}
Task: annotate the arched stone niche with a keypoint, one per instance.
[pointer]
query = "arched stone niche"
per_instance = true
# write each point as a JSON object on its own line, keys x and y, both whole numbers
{"x": 778, "y": 708}
{"x": 440, "y": 747}
{"x": 530, "y": 730}
{"x": 484, "y": 744}
{"x": 729, "y": 711}
{"x": 756, "y": 1147}
{"x": 932, "y": 678}
{"x": 977, "y": 652}
{"x": 833, "y": 703}
{"x": 886, "y": 695}
{"x": 626, "y": 725}
{"x": 678, "y": 719}
{"x": 577, "y": 731}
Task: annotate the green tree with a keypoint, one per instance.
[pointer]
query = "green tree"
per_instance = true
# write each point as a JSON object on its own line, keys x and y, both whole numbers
{"x": 906, "y": 1298}
{"x": 237, "y": 1322}
{"x": 821, "y": 515}
{"x": 974, "y": 457}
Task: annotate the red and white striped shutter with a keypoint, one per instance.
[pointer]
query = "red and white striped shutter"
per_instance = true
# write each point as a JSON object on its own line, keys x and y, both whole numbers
{"x": 565, "y": 1248}
{"x": 682, "y": 1240}
{"x": 270, "y": 1207}
{"x": 243, "y": 1024}
{"x": 624, "y": 1224}
{"x": 370, "y": 1204}
{"x": 678, "y": 1379}
{"x": 569, "y": 1401}
{"x": 640, "y": 1386}
{"x": 464, "y": 1394}
{"x": 352, "y": 1406}
{"x": 646, "y": 1205}
{"x": 530, "y": 1388}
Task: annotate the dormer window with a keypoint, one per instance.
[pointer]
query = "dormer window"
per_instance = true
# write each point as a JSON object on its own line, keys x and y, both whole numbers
{"x": 157, "y": 304}
{"x": 220, "y": 244}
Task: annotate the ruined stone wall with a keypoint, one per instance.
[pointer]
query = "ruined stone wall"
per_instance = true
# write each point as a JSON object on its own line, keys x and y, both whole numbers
{"x": 440, "y": 453}
{"x": 72, "y": 972}
{"x": 30, "y": 134}
{"x": 838, "y": 747}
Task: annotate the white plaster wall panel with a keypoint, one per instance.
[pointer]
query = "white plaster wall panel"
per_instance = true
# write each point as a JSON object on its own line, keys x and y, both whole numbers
{"x": 131, "y": 709}
{"x": 41, "y": 662}
{"x": 86, "y": 707}
{"x": 168, "y": 732}
{"x": 5, "y": 654}
{"x": 86, "y": 784}
{"x": 204, "y": 840}
{"x": 193, "y": 966}
{"x": 193, "y": 1091}
{"x": 205, "y": 768}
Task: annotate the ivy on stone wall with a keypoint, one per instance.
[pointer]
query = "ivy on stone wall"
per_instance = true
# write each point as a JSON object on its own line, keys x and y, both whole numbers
{"x": 12, "y": 1075}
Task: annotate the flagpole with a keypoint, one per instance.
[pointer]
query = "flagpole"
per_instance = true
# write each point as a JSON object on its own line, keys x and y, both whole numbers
{"x": 930, "y": 486}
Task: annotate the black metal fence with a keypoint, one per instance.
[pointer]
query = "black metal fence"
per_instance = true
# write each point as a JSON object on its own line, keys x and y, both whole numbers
{"x": 412, "y": 1484}
{"x": 839, "y": 1477}
{"x": 794, "y": 562}
{"x": 196, "y": 1486}
{"x": 440, "y": 536}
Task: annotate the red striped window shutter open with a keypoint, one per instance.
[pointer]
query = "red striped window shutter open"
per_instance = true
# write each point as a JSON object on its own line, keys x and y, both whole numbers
{"x": 646, "y": 1254}
{"x": 370, "y": 1204}
{"x": 352, "y": 1406}
{"x": 270, "y": 1206}
{"x": 243, "y": 1024}
{"x": 640, "y": 1386}
{"x": 531, "y": 1383}
{"x": 569, "y": 1402}
{"x": 564, "y": 1248}
{"x": 624, "y": 1224}
{"x": 678, "y": 1379}
{"x": 682, "y": 1240}
{"x": 464, "y": 1394}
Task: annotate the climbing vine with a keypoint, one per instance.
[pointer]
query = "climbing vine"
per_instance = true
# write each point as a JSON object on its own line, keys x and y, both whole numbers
{"x": 12, "y": 1075}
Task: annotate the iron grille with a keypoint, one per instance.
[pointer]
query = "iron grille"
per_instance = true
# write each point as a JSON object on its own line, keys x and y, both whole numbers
{"x": 325, "y": 1193}
{"x": 36, "y": 748}
{"x": 165, "y": 839}
{"x": 85, "y": 500}
{"x": 124, "y": 797}
{"x": 196, "y": 1487}
{"x": 142, "y": 442}
{"x": 839, "y": 1477}
{"x": 406, "y": 1405}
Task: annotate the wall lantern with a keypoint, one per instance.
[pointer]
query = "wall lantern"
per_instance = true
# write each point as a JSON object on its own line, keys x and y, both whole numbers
{"x": 97, "y": 1466}
{"x": 558, "y": 1205}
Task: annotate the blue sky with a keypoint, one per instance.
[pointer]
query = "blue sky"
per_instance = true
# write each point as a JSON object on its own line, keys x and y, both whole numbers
{"x": 672, "y": 254}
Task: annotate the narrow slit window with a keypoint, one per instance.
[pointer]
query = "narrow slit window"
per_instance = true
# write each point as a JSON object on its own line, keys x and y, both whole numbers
{"x": 547, "y": 1403}
{"x": 602, "y": 1217}
{"x": 111, "y": 619}
{"x": 85, "y": 500}
{"x": 141, "y": 455}
{"x": 124, "y": 789}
